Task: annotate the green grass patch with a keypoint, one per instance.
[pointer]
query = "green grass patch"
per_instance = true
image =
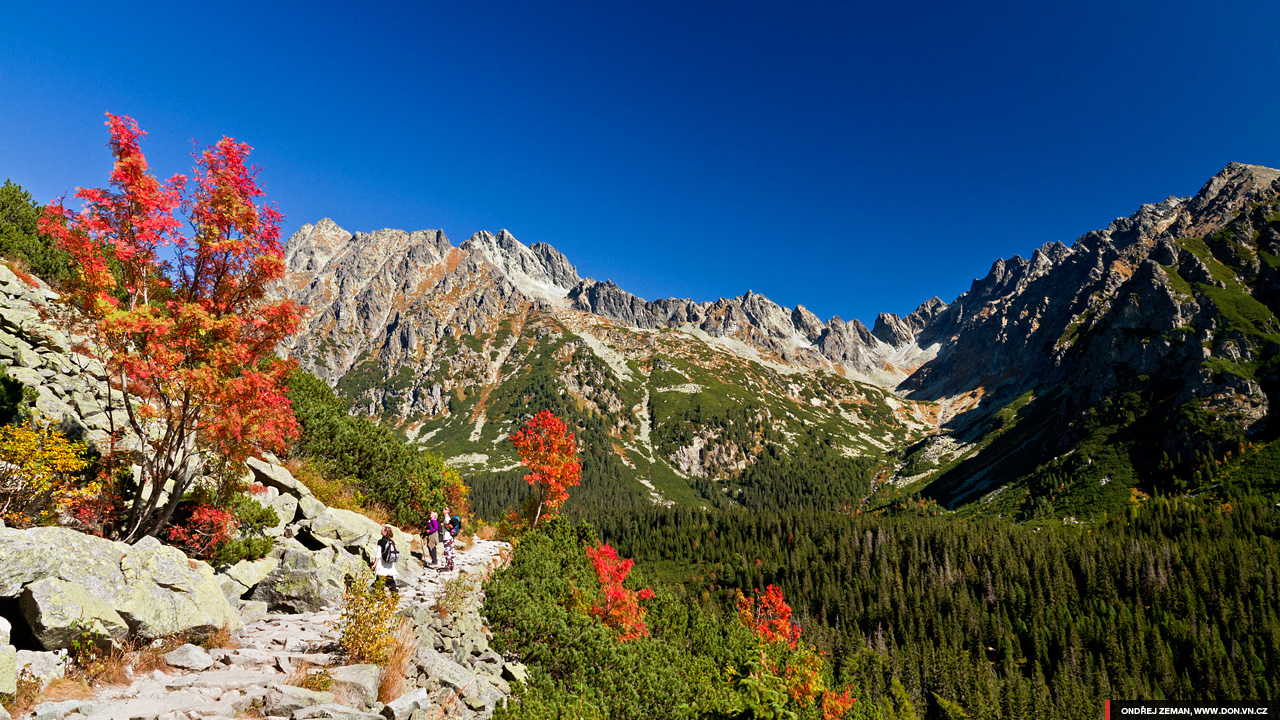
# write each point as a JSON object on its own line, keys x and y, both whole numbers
{"x": 1177, "y": 282}
{"x": 1217, "y": 270}
{"x": 1243, "y": 312}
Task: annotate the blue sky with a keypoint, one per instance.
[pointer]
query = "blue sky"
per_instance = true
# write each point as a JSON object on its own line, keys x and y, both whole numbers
{"x": 851, "y": 157}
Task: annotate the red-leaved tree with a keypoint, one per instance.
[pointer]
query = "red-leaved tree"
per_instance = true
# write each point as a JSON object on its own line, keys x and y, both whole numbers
{"x": 550, "y": 452}
{"x": 835, "y": 705}
{"x": 177, "y": 309}
{"x": 619, "y": 608}
{"x": 769, "y": 616}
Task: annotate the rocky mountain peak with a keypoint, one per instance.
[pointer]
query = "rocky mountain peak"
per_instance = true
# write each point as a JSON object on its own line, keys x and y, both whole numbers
{"x": 1224, "y": 195}
{"x": 312, "y": 247}
{"x": 540, "y": 271}
{"x": 1032, "y": 315}
{"x": 898, "y": 331}
{"x": 806, "y": 323}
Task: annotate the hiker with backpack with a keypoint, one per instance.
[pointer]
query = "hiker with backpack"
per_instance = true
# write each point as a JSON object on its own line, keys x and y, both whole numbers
{"x": 431, "y": 538}
{"x": 384, "y": 564}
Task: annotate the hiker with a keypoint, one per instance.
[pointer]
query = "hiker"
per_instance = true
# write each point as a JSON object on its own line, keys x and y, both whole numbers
{"x": 384, "y": 562}
{"x": 455, "y": 525}
{"x": 446, "y": 535}
{"x": 432, "y": 535}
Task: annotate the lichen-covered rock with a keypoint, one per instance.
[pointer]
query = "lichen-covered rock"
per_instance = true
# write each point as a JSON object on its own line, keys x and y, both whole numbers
{"x": 515, "y": 672}
{"x": 24, "y": 559}
{"x": 349, "y": 528}
{"x": 306, "y": 581}
{"x": 278, "y": 477}
{"x": 8, "y": 670}
{"x": 57, "y": 609}
{"x": 403, "y": 707}
{"x": 169, "y": 593}
{"x": 189, "y": 657}
{"x": 248, "y": 573}
{"x": 407, "y": 703}
{"x": 287, "y": 700}
{"x": 309, "y": 507}
{"x": 286, "y": 507}
{"x": 251, "y": 611}
{"x": 44, "y": 666}
{"x": 231, "y": 589}
{"x": 65, "y": 580}
{"x": 358, "y": 683}
{"x": 359, "y": 535}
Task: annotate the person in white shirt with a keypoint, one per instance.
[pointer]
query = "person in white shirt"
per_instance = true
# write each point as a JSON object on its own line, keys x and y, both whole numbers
{"x": 382, "y": 566}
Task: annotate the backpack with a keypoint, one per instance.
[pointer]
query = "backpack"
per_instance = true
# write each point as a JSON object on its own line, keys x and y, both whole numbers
{"x": 455, "y": 526}
{"x": 390, "y": 553}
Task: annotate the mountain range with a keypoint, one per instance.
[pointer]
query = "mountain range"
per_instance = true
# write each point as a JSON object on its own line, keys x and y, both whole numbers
{"x": 1131, "y": 361}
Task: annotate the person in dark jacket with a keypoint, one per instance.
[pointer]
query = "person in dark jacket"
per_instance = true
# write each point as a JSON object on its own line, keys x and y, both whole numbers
{"x": 446, "y": 534}
{"x": 382, "y": 568}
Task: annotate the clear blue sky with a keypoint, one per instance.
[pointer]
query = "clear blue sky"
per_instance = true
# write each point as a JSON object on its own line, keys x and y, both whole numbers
{"x": 851, "y": 157}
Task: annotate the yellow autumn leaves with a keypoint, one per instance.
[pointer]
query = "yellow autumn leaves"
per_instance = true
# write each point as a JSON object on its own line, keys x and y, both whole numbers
{"x": 368, "y": 621}
{"x": 39, "y": 470}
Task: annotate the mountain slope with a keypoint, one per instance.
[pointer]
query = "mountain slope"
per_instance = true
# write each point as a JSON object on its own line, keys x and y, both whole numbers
{"x": 1147, "y": 350}
{"x": 455, "y": 345}
{"x": 1151, "y": 336}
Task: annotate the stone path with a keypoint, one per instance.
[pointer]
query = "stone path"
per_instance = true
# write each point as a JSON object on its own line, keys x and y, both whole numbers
{"x": 230, "y": 683}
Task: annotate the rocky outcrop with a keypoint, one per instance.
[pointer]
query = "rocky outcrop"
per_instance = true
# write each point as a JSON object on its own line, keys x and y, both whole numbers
{"x": 316, "y": 549}
{"x": 537, "y": 270}
{"x": 1097, "y": 314}
{"x": 793, "y": 336}
{"x": 306, "y": 580}
{"x": 456, "y": 676}
{"x": 278, "y": 478}
{"x": 898, "y": 331}
{"x": 63, "y": 580}
{"x": 70, "y": 387}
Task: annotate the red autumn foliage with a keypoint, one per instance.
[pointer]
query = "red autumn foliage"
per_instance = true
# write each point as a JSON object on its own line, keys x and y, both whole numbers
{"x": 620, "y": 608}
{"x": 550, "y": 452}
{"x": 769, "y": 615}
{"x": 202, "y": 532}
{"x": 180, "y": 317}
{"x": 836, "y": 705}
